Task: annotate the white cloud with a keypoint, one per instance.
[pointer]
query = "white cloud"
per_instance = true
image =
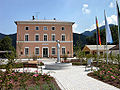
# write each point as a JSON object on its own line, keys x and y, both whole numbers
{"x": 111, "y": 20}
{"x": 75, "y": 28}
{"x": 85, "y": 9}
{"x": 111, "y": 5}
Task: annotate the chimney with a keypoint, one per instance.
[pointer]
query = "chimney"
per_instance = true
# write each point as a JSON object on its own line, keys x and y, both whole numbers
{"x": 54, "y": 18}
{"x": 33, "y": 18}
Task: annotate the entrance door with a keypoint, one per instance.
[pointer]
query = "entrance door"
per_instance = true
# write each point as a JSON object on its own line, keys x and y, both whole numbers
{"x": 45, "y": 52}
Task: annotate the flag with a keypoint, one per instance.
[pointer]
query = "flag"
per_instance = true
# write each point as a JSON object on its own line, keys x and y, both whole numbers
{"x": 108, "y": 32}
{"x": 118, "y": 15}
{"x": 98, "y": 32}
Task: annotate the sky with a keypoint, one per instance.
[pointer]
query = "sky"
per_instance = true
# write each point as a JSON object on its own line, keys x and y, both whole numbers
{"x": 82, "y": 12}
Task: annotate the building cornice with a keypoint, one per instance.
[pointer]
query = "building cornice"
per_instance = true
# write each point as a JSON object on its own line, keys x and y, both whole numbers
{"x": 44, "y": 22}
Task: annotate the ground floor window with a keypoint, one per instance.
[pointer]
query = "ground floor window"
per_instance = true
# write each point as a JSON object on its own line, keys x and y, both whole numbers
{"x": 53, "y": 51}
{"x": 63, "y": 50}
{"x": 37, "y": 51}
{"x": 26, "y": 50}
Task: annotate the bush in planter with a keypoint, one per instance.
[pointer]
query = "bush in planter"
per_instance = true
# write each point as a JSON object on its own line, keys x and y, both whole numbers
{"x": 108, "y": 73}
{"x": 41, "y": 64}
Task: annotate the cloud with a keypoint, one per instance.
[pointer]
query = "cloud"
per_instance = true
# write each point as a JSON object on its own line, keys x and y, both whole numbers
{"x": 85, "y": 9}
{"x": 111, "y": 20}
{"x": 111, "y": 5}
{"x": 75, "y": 28}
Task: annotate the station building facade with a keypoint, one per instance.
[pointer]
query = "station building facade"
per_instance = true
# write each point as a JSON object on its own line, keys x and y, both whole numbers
{"x": 38, "y": 38}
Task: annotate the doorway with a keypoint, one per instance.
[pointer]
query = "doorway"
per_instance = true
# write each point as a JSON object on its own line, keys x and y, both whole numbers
{"x": 45, "y": 52}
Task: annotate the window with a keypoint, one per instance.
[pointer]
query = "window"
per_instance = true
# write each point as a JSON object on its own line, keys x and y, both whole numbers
{"x": 63, "y": 37}
{"x": 26, "y": 50}
{"x": 63, "y": 50}
{"x": 63, "y": 28}
{"x": 26, "y": 28}
{"x": 36, "y": 37}
{"x": 53, "y": 28}
{"x": 26, "y": 37}
{"x": 45, "y": 37}
{"x": 45, "y": 28}
{"x": 53, "y": 51}
{"x": 36, "y": 28}
{"x": 37, "y": 51}
{"x": 53, "y": 37}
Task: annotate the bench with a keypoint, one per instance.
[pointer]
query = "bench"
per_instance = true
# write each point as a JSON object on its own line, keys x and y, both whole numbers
{"x": 32, "y": 64}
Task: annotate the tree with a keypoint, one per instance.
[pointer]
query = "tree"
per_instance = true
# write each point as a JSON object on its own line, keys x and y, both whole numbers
{"x": 6, "y": 45}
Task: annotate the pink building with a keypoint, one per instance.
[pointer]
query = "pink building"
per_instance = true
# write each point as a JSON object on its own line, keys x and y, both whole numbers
{"x": 38, "y": 37}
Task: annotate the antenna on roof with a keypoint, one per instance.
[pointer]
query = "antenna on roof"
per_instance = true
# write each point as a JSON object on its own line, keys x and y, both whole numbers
{"x": 36, "y": 14}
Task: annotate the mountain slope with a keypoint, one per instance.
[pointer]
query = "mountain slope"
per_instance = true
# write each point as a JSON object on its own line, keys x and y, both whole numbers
{"x": 91, "y": 33}
{"x": 79, "y": 39}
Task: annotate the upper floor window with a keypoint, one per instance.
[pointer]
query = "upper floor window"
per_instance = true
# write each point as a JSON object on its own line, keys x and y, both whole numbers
{"x": 36, "y": 28}
{"x": 53, "y": 28}
{"x": 63, "y": 37}
{"x": 62, "y": 28}
{"x": 63, "y": 50}
{"x": 37, "y": 51}
{"x": 26, "y": 50}
{"x": 26, "y": 28}
{"x": 45, "y": 37}
{"x": 45, "y": 28}
{"x": 36, "y": 37}
{"x": 26, "y": 37}
{"x": 53, "y": 51}
{"x": 53, "y": 37}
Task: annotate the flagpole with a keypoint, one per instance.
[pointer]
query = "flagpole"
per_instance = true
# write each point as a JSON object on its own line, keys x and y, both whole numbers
{"x": 97, "y": 42}
{"x": 106, "y": 39}
{"x": 118, "y": 25}
{"x": 107, "y": 50}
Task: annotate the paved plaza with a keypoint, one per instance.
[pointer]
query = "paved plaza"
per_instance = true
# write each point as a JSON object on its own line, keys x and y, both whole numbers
{"x": 74, "y": 78}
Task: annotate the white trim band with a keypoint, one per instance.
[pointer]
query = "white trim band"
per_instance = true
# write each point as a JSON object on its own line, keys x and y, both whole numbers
{"x": 43, "y": 41}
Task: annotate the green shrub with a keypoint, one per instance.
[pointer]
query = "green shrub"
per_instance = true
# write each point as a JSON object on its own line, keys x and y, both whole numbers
{"x": 108, "y": 72}
{"x": 79, "y": 63}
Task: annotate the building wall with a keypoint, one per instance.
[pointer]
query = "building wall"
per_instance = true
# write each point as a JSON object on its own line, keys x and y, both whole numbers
{"x": 21, "y": 44}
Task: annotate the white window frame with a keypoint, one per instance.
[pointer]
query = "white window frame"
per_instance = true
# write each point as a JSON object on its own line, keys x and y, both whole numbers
{"x": 52, "y": 37}
{"x": 62, "y": 51}
{"x": 28, "y": 51}
{"x": 55, "y": 50}
{"x": 38, "y": 38}
{"x": 52, "y": 27}
{"x": 35, "y": 51}
{"x": 25, "y": 38}
{"x": 28, "y": 28}
{"x": 38, "y": 27}
{"x": 43, "y": 37}
{"x": 44, "y": 27}
{"x": 63, "y": 35}
{"x": 63, "y": 27}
